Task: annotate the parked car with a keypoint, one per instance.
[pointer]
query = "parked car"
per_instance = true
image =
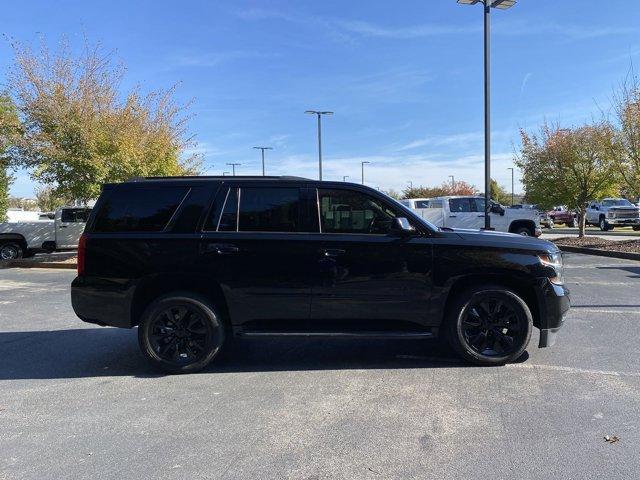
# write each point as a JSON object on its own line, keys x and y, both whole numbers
{"x": 468, "y": 212}
{"x": 562, "y": 215}
{"x": 612, "y": 212}
{"x": 544, "y": 218}
{"x": 23, "y": 239}
{"x": 194, "y": 261}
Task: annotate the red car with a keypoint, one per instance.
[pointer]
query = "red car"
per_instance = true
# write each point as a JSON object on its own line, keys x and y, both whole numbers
{"x": 562, "y": 215}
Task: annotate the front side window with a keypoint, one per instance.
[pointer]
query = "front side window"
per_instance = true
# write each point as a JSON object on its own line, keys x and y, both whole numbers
{"x": 343, "y": 211}
{"x": 422, "y": 204}
{"x": 269, "y": 210}
{"x": 459, "y": 205}
{"x": 75, "y": 215}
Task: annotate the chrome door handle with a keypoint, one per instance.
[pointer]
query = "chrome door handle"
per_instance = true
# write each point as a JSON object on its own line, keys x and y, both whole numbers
{"x": 332, "y": 252}
{"x": 221, "y": 248}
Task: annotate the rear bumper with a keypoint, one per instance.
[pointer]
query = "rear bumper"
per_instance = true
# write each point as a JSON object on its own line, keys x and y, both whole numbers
{"x": 102, "y": 302}
{"x": 554, "y": 304}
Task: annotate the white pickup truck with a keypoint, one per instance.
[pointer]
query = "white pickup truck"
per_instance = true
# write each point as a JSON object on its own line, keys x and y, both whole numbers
{"x": 23, "y": 239}
{"x": 613, "y": 212}
{"x": 468, "y": 212}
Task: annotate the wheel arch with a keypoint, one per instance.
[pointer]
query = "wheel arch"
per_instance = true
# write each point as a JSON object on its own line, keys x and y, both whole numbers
{"x": 153, "y": 287}
{"x": 14, "y": 237}
{"x": 521, "y": 286}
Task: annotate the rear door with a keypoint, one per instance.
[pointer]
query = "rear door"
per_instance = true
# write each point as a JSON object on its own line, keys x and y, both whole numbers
{"x": 463, "y": 213}
{"x": 254, "y": 246}
{"x": 366, "y": 277}
{"x": 69, "y": 226}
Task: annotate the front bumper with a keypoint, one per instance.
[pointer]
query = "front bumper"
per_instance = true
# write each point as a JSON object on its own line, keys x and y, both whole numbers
{"x": 624, "y": 221}
{"x": 554, "y": 303}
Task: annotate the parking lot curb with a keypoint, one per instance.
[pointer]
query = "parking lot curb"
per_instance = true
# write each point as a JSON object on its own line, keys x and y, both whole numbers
{"x": 20, "y": 264}
{"x": 601, "y": 253}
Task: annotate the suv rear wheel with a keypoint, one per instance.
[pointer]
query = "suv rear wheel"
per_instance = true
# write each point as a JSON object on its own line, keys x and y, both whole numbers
{"x": 10, "y": 251}
{"x": 489, "y": 325}
{"x": 181, "y": 333}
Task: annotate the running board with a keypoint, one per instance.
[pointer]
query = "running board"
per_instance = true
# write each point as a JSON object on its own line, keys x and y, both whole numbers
{"x": 392, "y": 335}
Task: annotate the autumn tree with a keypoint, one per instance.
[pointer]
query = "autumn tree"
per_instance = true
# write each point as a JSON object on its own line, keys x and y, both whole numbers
{"x": 79, "y": 131}
{"x": 568, "y": 167}
{"x": 446, "y": 188}
{"x": 626, "y": 134}
{"x": 9, "y": 129}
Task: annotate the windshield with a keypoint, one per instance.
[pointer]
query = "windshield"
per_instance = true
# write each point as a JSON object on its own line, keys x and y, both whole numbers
{"x": 617, "y": 202}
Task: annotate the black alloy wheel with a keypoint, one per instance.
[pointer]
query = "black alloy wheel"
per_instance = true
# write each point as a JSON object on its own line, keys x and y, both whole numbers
{"x": 490, "y": 326}
{"x": 180, "y": 334}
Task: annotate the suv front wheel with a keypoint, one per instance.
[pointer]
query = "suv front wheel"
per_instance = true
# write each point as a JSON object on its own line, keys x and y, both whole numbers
{"x": 489, "y": 325}
{"x": 181, "y": 333}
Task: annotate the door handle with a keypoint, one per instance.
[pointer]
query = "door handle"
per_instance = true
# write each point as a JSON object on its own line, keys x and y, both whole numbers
{"x": 452, "y": 216}
{"x": 220, "y": 248}
{"x": 63, "y": 226}
{"x": 332, "y": 252}
{"x": 480, "y": 216}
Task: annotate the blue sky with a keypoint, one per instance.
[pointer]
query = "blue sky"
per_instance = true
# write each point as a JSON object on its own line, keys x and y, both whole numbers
{"x": 404, "y": 78}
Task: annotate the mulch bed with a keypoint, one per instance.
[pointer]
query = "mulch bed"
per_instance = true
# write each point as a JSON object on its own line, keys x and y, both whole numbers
{"x": 628, "y": 246}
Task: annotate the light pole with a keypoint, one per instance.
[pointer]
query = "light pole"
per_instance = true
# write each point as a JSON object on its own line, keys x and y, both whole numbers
{"x": 233, "y": 167}
{"x": 362, "y": 165}
{"x": 319, "y": 114}
{"x": 410, "y": 184}
{"x": 488, "y": 5}
{"x": 453, "y": 182}
{"x": 263, "y": 149}
{"x": 344, "y": 178}
{"x": 224, "y": 174}
{"x": 511, "y": 168}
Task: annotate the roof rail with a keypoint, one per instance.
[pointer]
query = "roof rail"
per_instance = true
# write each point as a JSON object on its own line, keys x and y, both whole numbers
{"x": 218, "y": 177}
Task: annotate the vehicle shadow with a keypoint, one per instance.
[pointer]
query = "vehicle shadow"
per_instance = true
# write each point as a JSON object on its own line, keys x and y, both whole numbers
{"x": 96, "y": 352}
{"x": 635, "y": 271}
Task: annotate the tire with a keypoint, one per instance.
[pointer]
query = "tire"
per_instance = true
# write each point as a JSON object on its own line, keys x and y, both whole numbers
{"x": 551, "y": 225}
{"x": 10, "y": 251}
{"x": 524, "y": 231}
{"x": 602, "y": 223}
{"x": 572, "y": 224}
{"x": 494, "y": 305}
{"x": 187, "y": 340}
{"x": 636, "y": 228}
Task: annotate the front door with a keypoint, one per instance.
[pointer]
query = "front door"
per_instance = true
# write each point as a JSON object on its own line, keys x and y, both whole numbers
{"x": 367, "y": 277}
{"x": 253, "y": 248}
{"x": 70, "y": 225}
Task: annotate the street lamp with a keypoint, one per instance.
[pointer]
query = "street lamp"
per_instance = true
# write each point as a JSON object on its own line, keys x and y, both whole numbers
{"x": 488, "y": 5}
{"x": 344, "y": 178}
{"x": 263, "y": 149}
{"x": 453, "y": 183}
{"x": 410, "y": 184}
{"x": 224, "y": 174}
{"x": 511, "y": 168}
{"x": 362, "y": 165}
{"x": 319, "y": 114}
{"x": 233, "y": 167}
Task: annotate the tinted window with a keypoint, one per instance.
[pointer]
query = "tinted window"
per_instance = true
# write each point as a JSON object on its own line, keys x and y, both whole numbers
{"x": 459, "y": 205}
{"x": 343, "y": 211}
{"x": 422, "y": 204}
{"x": 139, "y": 210}
{"x": 477, "y": 204}
{"x": 269, "y": 209}
{"x": 229, "y": 216}
{"x": 75, "y": 215}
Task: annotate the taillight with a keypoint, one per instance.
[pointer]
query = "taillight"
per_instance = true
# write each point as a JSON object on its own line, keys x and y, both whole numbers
{"x": 82, "y": 251}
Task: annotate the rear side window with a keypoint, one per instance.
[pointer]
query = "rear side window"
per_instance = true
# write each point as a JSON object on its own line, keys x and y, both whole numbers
{"x": 75, "y": 215}
{"x": 459, "y": 205}
{"x": 269, "y": 210}
{"x": 139, "y": 210}
{"x": 422, "y": 204}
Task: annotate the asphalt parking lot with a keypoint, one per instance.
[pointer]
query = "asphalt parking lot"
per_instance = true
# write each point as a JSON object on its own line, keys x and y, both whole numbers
{"x": 78, "y": 401}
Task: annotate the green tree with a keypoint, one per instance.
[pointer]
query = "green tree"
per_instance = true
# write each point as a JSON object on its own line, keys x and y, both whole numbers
{"x": 499, "y": 194}
{"x": 568, "y": 167}
{"x": 626, "y": 134}
{"x": 80, "y": 132}
{"x": 47, "y": 199}
{"x": 9, "y": 129}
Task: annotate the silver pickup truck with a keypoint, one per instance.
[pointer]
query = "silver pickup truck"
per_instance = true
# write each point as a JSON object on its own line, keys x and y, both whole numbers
{"x": 613, "y": 212}
{"x": 23, "y": 239}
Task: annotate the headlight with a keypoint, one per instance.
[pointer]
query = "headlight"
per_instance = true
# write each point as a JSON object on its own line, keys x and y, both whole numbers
{"x": 554, "y": 262}
{"x": 611, "y": 214}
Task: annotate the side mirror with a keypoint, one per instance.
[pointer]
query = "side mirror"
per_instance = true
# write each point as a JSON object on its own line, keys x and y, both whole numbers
{"x": 401, "y": 226}
{"x": 496, "y": 208}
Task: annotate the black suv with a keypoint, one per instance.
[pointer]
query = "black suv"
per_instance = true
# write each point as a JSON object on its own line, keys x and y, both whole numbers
{"x": 194, "y": 261}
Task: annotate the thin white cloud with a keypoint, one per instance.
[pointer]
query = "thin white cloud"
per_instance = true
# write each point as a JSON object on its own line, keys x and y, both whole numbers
{"x": 525, "y": 80}
{"x": 214, "y": 59}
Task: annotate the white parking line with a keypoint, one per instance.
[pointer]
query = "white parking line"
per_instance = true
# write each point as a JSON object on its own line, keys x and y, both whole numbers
{"x": 559, "y": 368}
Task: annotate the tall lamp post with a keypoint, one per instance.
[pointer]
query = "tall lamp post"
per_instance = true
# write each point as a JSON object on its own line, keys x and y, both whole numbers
{"x": 488, "y": 5}
{"x": 410, "y": 184}
{"x": 362, "y": 166}
{"x": 224, "y": 174}
{"x": 453, "y": 182}
{"x": 511, "y": 168}
{"x": 344, "y": 178}
{"x": 263, "y": 149}
{"x": 233, "y": 167}
{"x": 319, "y": 115}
